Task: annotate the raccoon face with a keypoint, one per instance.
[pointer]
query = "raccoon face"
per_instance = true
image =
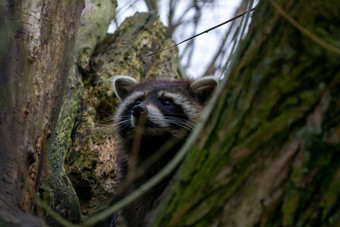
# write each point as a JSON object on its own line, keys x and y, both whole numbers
{"x": 159, "y": 107}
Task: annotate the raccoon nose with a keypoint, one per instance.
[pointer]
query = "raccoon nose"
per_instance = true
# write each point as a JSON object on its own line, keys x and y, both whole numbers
{"x": 138, "y": 110}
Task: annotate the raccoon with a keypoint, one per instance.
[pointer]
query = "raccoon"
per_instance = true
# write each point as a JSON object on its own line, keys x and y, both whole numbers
{"x": 154, "y": 119}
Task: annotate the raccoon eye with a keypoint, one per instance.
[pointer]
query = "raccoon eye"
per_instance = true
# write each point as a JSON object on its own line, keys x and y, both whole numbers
{"x": 166, "y": 102}
{"x": 138, "y": 101}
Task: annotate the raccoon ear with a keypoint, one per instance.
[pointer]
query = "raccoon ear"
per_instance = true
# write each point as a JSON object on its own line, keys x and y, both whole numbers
{"x": 203, "y": 88}
{"x": 122, "y": 85}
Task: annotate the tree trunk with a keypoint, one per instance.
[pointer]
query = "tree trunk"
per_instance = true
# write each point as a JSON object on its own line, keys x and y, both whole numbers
{"x": 37, "y": 116}
{"x": 268, "y": 154}
{"x": 36, "y": 43}
{"x": 54, "y": 91}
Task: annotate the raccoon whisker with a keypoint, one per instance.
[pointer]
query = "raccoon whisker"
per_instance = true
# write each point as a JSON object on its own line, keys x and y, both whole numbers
{"x": 122, "y": 127}
{"x": 122, "y": 141}
{"x": 185, "y": 122}
{"x": 190, "y": 128}
{"x": 183, "y": 125}
{"x": 127, "y": 125}
{"x": 158, "y": 120}
{"x": 180, "y": 121}
{"x": 123, "y": 122}
{"x": 173, "y": 120}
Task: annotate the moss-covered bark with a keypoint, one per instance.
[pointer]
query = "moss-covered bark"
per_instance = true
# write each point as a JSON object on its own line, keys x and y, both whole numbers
{"x": 56, "y": 93}
{"x": 57, "y": 189}
{"x": 91, "y": 162}
{"x": 35, "y": 60}
{"x": 269, "y": 154}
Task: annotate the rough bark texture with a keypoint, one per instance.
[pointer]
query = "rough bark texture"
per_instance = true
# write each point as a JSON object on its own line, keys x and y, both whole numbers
{"x": 269, "y": 154}
{"x": 31, "y": 91}
{"x": 35, "y": 72}
{"x": 57, "y": 187}
{"x": 54, "y": 91}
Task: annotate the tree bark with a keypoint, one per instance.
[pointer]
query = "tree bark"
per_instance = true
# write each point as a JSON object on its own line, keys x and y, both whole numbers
{"x": 54, "y": 91}
{"x": 58, "y": 189}
{"x": 268, "y": 154}
{"x": 35, "y": 59}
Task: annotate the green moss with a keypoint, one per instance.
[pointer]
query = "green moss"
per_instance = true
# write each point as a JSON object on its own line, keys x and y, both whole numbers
{"x": 56, "y": 180}
{"x": 122, "y": 53}
{"x": 274, "y": 89}
{"x": 95, "y": 20}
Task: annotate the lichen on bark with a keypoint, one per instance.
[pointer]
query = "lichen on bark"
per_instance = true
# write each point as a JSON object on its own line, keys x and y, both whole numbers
{"x": 34, "y": 71}
{"x": 90, "y": 162}
{"x": 57, "y": 188}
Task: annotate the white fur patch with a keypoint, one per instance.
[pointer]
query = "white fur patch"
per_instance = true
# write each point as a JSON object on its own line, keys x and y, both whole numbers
{"x": 156, "y": 116}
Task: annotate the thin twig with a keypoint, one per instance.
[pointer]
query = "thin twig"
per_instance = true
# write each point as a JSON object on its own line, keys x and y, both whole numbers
{"x": 206, "y": 31}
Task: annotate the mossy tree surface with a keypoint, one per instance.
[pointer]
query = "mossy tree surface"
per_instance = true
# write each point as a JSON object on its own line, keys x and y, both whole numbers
{"x": 35, "y": 52}
{"x": 91, "y": 161}
{"x": 40, "y": 90}
{"x": 269, "y": 154}
{"x": 57, "y": 189}
{"x": 54, "y": 91}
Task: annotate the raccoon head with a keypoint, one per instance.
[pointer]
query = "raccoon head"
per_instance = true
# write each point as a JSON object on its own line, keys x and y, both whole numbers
{"x": 160, "y": 106}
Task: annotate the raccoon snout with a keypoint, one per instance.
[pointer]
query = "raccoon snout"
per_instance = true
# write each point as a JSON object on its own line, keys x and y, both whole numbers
{"x": 138, "y": 110}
